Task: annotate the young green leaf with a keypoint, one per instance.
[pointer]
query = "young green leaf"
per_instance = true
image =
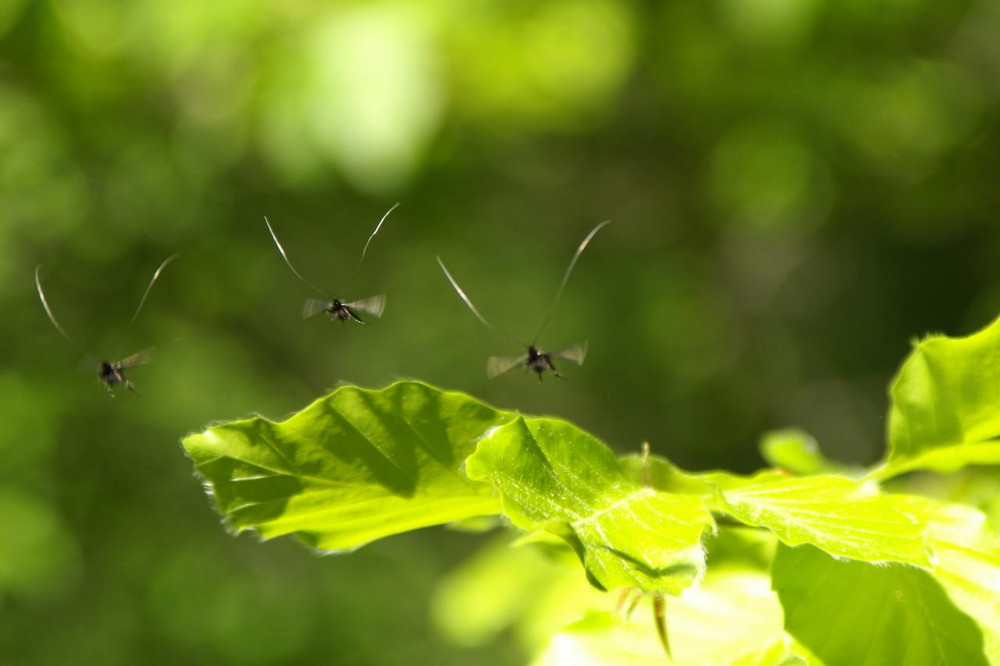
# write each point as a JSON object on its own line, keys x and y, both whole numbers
{"x": 525, "y": 592}
{"x": 796, "y": 451}
{"x": 711, "y": 486}
{"x": 355, "y": 466}
{"x": 843, "y": 517}
{"x": 945, "y": 410}
{"x": 732, "y": 619}
{"x": 601, "y": 639}
{"x": 659, "y": 473}
{"x": 847, "y": 518}
{"x": 968, "y": 563}
{"x": 555, "y": 477}
{"x": 850, "y": 612}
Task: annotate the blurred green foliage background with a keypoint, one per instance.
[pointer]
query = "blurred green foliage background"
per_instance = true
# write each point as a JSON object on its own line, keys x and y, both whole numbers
{"x": 797, "y": 188}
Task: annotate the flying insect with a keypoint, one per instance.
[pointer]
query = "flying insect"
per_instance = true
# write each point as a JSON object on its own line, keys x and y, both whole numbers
{"x": 109, "y": 373}
{"x": 535, "y": 360}
{"x": 335, "y": 307}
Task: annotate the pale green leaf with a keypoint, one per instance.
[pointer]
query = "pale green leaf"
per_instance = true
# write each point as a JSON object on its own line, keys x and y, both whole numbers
{"x": 945, "y": 410}
{"x": 733, "y": 619}
{"x": 968, "y": 562}
{"x": 553, "y": 476}
{"x": 797, "y": 452}
{"x": 741, "y": 547}
{"x": 602, "y": 639}
{"x": 488, "y": 592}
{"x": 659, "y": 473}
{"x": 851, "y": 612}
{"x": 843, "y": 517}
{"x": 355, "y": 466}
{"x": 528, "y": 592}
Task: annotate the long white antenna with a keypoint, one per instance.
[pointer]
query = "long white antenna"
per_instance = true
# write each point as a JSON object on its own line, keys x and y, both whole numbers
{"x": 468, "y": 302}
{"x": 377, "y": 227}
{"x": 48, "y": 310}
{"x": 462, "y": 295}
{"x": 569, "y": 269}
{"x": 156, "y": 276}
{"x": 289, "y": 263}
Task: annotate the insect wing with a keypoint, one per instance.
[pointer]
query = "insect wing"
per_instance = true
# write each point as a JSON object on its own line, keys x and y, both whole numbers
{"x": 139, "y": 358}
{"x": 373, "y": 306}
{"x": 497, "y": 365}
{"x": 314, "y": 306}
{"x": 575, "y": 354}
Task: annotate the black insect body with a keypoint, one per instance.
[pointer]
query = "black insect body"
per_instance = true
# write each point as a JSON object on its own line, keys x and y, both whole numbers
{"x": 535, "y": 360}
{"x": 540, "y": 361}
{"x": 109, "y": 373}
{"x": 336, "y": 308}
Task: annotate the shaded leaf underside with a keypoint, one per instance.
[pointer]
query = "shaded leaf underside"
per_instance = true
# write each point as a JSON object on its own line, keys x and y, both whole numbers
{"x": 850, "y": 612}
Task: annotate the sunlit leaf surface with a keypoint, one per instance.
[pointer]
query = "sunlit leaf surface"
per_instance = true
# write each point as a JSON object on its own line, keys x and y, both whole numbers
{"x": 843, "y": 517}
{"x": 352, "y": 467}
{"x": 553, "y": 476}
{"x": 850, "y": 612}
{"x": 658, "y": 472}
{"x": 795, "y": 451}
{"x": 529, "y": 592}
{"x": 946, "y": 404}
{"x": 732, "y": 619}
{"x": 968, "y": 564}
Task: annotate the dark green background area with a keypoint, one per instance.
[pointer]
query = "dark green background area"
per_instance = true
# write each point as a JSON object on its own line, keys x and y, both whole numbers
{"x": 797, "y": 188}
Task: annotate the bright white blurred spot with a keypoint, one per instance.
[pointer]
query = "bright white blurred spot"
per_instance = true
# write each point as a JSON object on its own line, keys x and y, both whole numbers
{"x": 374, "y": 99}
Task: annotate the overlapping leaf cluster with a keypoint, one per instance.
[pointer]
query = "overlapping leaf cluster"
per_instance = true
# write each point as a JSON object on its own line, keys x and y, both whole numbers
{"x": 856, "y": 574}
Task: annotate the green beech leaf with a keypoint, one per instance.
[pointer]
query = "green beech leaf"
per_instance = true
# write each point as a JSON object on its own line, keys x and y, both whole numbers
{"x": 661, "y": 474}
{"x": 355, "y": 466}
{"x": 843, "y": 517}
{"x": 528, "y": 592}
{"x": 553, "y": 476}
{"x": 601, "y": 639}
{"x": 489, "y": 592}
{"x": 850, "y": 612}
{"x": 946, "y": 405}
{"x": 797, "y": 452}
{"x": 733, "y": 619}
{"x": 968, "y": 562}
